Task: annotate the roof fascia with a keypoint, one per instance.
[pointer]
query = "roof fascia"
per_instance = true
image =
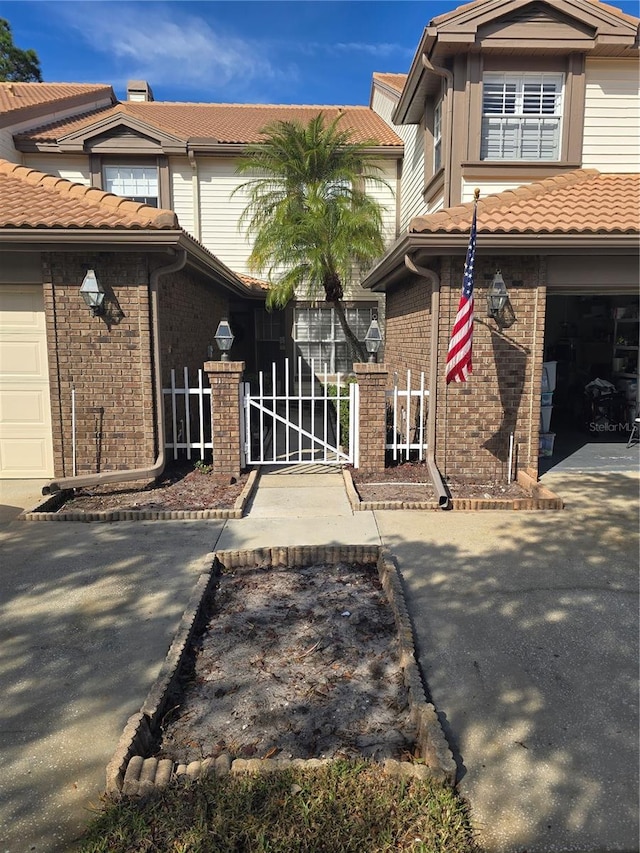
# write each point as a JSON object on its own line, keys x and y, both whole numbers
{"x": 125, "y": 240}
{"x": 75, "y": 142}
{"x": 416, "y": 72}
{"x": 212, "y": 148}
{"x": 391, "y": 269}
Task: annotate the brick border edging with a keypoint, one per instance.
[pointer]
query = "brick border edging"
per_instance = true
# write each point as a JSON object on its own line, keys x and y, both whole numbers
{"x": 540, "y": 499}
{"x": 132, "y": 771}
{"x": 46, "y": 510}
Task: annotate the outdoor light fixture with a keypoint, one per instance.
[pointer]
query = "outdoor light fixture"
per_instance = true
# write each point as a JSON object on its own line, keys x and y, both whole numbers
{"x": 373, "y": 339}
{"x": 224, "y": 338}
{"x": 93, "y": 293}
{"x": 497, "y": 297}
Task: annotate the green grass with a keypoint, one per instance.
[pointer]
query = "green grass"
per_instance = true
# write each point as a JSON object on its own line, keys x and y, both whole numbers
{"x": 344, "y": 807}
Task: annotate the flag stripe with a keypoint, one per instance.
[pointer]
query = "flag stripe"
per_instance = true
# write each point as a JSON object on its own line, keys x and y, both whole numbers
{"x": 459, "y": 362}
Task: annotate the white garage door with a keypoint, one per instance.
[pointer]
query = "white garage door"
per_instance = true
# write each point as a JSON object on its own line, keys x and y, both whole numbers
{"x": 25, "y": 413}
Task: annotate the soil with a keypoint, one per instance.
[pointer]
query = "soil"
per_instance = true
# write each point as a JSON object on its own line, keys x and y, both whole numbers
{"x": 184, "y": 488}
{"x": 181, "y": 487}
{"x": 294, "y": 663}
{"x": 410, "y": 482}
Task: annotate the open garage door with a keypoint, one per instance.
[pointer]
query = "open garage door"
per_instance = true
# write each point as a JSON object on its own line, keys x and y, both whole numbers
{"x": 25, "y": 412}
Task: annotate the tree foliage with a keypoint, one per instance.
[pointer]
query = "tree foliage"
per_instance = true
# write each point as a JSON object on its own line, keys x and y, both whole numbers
{"x": 16, "y": 65}
{"x": 312, "y": 222}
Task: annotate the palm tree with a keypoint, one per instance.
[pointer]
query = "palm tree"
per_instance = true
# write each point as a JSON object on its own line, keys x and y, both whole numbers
{"x": 312, "y": 222}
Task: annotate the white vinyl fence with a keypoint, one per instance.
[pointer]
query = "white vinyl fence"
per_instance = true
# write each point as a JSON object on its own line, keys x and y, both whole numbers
{"x": 188, "y": 416}
{"x": 407, "y": 410}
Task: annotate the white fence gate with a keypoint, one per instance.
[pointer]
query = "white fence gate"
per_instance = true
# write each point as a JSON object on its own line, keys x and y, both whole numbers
{"x": 407, "y": 419}
{"x": 288, "y": 423}
{"x": 188, "y": 421}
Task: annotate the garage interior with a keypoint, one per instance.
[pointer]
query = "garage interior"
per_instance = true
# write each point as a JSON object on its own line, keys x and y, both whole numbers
{"x": 591, "y": 343}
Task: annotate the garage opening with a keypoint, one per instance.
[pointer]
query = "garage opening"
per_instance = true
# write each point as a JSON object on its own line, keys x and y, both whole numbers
{"x": 591, "y": 344}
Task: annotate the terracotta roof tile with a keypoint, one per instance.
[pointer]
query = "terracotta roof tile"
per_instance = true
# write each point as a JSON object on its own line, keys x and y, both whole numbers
{"x": 256, "y": 283}
{"x": 584, "y": 201}
{"x": 19, "y": 96}
{"x": 34, "y": 200}
{"x": 226, "y": 123}
{"x": 394, "y": 81}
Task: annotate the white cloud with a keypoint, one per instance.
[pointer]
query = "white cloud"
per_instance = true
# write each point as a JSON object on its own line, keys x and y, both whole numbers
{"x": 164, "y": 45}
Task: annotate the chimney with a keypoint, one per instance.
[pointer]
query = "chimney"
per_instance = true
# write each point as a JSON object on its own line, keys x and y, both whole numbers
{"x": 139, "y": 90}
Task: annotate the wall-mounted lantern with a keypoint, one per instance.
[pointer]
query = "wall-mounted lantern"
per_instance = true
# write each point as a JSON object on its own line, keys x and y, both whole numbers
{"x": 93, "y": 293}
{"x": 224, "y": 338}
{"x": 497, "y": 297}
{"x": 373, "y": 340}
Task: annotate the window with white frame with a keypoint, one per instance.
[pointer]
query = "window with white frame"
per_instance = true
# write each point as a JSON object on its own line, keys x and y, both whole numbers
{"x": 318, "y": 336}
{"x": 437, "y": 137}
{"x": 521, "y": 116}
{"x": 138, "y": 183}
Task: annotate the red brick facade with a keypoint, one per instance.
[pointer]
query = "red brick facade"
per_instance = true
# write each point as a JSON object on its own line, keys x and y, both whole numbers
{"x": 474, "y": 420}
{"x": 108, "y": 360}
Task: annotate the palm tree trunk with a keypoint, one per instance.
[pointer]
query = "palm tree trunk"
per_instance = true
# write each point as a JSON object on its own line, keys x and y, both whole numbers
{"x": 355, "y": 346}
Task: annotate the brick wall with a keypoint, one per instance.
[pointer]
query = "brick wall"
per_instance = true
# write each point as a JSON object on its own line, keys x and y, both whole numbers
{"x": 190, "y": 310}
{"x": 109, "y": 361}
{"x": 475, "y": 419}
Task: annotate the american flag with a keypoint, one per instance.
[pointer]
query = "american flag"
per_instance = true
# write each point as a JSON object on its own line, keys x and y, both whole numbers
{"x": 459, "y": 354}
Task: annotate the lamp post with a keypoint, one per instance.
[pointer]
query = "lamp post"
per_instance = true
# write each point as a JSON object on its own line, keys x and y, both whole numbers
{"x": 93, "y": 293}
{"x": 372, "y": 340}
{"x": 224, "y": 338}
{"x": 497, "y": 297}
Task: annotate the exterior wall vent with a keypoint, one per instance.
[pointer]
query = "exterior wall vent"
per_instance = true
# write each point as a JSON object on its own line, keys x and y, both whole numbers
{"x": 139, "y": 90}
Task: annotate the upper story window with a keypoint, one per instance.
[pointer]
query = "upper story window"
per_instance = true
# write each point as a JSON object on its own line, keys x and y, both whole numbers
{"x": 437, "y": 137}
{"x": 138, "y": 183}
{"x": 521, "y": 116}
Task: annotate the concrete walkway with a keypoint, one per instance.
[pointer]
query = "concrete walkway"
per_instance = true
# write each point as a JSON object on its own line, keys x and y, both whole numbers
{"x": 527, "y": 626}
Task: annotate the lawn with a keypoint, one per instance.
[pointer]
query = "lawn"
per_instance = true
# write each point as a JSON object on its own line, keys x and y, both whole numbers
{"x": 343, "y": 807}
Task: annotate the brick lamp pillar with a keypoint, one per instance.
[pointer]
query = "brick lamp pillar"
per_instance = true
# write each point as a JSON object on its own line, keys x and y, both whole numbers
{"x": 372, "y": 381}
{"x": 225, "y": 378}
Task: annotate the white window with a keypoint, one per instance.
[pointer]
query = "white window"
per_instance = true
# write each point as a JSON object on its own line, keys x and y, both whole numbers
{"x": 521, "y": 116}
{"x": 138, "y": 183}
{"x": 318, "y": 336}
{"x": 437, "y": 137}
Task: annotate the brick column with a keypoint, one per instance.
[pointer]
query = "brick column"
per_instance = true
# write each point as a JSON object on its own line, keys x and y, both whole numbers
{"x": 225, "y": 378}
{"x": 372, "y": 380}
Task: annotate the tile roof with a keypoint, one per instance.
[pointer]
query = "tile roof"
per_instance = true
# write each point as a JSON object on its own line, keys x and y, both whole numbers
{"x": 584, "y": 201}
{"x": 394, "y": 81}
{"x": 19, "y": 96}
{"x": 32, "y": 199}
{"x": 253, "y": 282}
{"x": 226, "y": 123}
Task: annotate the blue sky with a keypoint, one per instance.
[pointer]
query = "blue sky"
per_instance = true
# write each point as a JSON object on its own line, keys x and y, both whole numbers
{"x": 315, "y": 52}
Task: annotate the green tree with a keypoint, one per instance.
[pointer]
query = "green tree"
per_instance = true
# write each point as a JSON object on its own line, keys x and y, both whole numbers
{"x": 16, "y": 65}
{"x": 312, "y": 222}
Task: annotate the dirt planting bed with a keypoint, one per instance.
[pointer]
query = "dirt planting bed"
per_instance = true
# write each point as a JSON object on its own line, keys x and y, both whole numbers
{"x": 296, "y": 663}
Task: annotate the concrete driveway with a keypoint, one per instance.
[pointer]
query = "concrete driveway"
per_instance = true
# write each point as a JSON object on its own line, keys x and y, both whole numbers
{"x": 528, "y": 633}
{"x": 87, "y": 613}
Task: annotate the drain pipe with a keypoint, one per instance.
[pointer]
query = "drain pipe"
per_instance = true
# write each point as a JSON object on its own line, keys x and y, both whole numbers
{"x": 447, "y": 134}
{"x": 158, "y": 466}
{"x": 444, "y": 498}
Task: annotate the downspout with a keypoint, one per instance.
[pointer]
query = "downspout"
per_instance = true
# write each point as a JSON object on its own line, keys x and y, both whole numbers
{"x": 444, "y": 498}
{"x": 158, "y": 466}
{"x": 448, "y": 135}
{"x": 195, "y": 193}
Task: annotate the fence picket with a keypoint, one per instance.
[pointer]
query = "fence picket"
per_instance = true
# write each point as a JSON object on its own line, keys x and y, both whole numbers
{"x": 182, "y": 436}
{"x": 404, "y": 439}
